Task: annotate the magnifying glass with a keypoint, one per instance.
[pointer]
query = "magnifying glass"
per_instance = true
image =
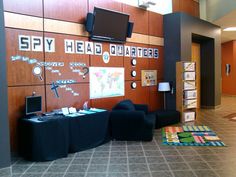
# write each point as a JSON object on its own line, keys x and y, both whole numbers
{"x": 37, "y": 71}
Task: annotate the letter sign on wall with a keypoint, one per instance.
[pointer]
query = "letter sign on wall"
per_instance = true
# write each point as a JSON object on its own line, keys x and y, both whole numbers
{"x": 24, "y": 43}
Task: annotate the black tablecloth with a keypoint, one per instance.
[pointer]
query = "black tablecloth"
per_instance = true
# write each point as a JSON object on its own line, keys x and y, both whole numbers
{"x": 52, "y": 138}
{"x": 88, "y": 131}
{"x": 44, "y": 140}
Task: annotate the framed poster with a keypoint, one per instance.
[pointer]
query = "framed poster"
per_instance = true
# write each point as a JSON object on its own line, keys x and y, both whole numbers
{"x": 189, "y": 76}
{"x": 189, "y": 66}
{"x": 189, "y": 85}
{"x": 149, "y": 77}
{"x": 106, "y": 82}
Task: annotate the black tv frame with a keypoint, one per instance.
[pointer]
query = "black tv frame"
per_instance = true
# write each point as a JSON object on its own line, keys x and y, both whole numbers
{"x": 90, "y": 24}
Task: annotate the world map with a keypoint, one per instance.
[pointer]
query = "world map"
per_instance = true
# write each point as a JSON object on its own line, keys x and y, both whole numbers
{"x": 106, "y": 82}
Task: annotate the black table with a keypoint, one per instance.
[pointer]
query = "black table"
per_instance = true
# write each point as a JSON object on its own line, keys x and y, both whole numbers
{"x": 55, "y": 137}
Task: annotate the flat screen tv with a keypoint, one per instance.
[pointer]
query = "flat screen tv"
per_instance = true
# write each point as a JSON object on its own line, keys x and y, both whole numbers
{"x": 109, "y": 26}
{"x": 33, "y": 104}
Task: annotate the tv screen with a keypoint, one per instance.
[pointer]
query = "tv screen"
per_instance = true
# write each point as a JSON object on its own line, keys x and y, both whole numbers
{"x": 33, "y": 104}
{"x": 109, "y": 25}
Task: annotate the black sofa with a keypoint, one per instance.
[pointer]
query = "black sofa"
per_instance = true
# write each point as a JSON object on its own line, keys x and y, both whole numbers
{"x": 131, "y": 122}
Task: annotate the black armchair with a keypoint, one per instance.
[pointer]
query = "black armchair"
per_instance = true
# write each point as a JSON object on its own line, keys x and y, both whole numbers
{"x": 132, "y": 122}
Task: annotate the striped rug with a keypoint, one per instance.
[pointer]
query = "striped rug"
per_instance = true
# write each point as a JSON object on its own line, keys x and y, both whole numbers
{"x": 190, "y": 136}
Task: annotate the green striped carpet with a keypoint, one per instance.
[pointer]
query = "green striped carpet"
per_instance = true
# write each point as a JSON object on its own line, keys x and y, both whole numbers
{"x": 190, "y": 136}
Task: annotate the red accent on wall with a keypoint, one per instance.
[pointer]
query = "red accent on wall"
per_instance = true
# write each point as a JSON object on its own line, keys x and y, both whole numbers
{"x": 229, "y": 57}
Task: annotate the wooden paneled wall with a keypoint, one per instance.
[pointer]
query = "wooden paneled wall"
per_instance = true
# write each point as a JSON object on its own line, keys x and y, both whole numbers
{"x": 190, "y": 7}
{"x": 64, "y": 20}
{"x": 229, "y": 57}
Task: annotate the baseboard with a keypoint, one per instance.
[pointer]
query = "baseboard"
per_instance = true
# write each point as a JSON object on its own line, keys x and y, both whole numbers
{"x": 6, "y": 171}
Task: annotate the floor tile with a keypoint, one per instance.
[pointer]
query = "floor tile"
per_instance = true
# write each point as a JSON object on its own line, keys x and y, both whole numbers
{"x": 155, "y": 159}
{"x": 138, "y": 167}
{"x": 77, "y": 168}
{"x": 153, "y": 153}
{"x": 118, "y": 160}
{"x": 19, "y": 168}
{"x": 205, "y": 173}
{"x": 140, "y": 174}
{"x": 137, "y": 160}
{"x": 37, "y": 169}
{"x": 162, "y": 174}
{"x": 97, "y": 168}
{"x": 74, "y": 174}
{"x": 158, "y": 167}
{"x": 117, "y": 174}
{"x": 135, "y": 154}
{"x": 174, "y": 159}
{"x": 5, "y": 171}
{"x": 99, "y": 160}
{"x": 53, "y": 175}
{"x": 184, "y": 174}
{"x": 57, "y": 168}
{"x": 178, "y": 166}
{"x": 81, "y": 161}
{"x": 198, "y": 165}
{"x": 96, "y": 175}
{"x": 117, "y": 168}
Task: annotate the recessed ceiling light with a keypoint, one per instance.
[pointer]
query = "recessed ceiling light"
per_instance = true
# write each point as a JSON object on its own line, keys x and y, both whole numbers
{"x": 230, "y": 29}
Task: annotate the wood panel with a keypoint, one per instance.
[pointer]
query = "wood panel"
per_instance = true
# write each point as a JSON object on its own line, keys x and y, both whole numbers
{"x": 190, "y": 7}
{"x": 73, "y": 10}
{"x": 28, "y": 7}
{"x": 66, "y": 71}
{"x": 139, "y": 17}
{"x": 175, "y": 5}
{"x": 106, "y": 103}
{"x": 115, "y": 61}
{"x": 66, "y": 97}
{"x": 142, "y": 64}
{"x": 158, "y": 64}
{"x": 197, "y": 58}
{"x": 155, "y": 24}
{"x": 16, "y": 108}
{"x": 196, "y": 7}
{"x": 19, "y": 72}
{"x": 228, "y": 57}
{"x": 107, "y": 4}
{"x": 139, "y": 95}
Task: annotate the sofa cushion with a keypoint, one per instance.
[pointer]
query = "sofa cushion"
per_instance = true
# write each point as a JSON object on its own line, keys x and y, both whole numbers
{"x": 125, "y": 105}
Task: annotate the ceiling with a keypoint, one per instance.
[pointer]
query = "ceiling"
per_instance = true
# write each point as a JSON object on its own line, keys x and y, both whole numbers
{"x": 228, "y": 20}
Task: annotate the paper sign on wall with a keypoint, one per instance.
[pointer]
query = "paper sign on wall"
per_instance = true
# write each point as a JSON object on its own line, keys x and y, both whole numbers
{"x": 149, "y": 77}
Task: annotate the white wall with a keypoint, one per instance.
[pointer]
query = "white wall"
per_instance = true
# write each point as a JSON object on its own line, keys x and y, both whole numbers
{"x": 215, "y": 9}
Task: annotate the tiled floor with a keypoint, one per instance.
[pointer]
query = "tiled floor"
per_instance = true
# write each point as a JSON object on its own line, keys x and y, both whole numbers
{"x": 148, "y": 159}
